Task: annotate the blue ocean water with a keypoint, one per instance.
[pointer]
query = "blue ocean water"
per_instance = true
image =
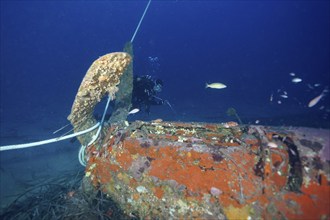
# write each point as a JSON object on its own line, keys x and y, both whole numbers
{"x": 46, "y": 48}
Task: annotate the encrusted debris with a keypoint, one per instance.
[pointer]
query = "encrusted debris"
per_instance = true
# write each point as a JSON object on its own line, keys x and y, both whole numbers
{"x": 102, "y": 78}
{"x": 193, "y": 170}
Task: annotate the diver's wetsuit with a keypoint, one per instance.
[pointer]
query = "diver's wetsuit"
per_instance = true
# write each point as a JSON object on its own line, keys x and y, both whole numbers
{"x": 144, "y": 92}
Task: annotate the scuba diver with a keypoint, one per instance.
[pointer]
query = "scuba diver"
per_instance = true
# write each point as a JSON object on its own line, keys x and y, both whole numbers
{"x": 145, "y": 89}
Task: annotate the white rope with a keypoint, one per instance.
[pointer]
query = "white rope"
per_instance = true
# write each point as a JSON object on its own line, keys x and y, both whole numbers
{"x": 33, "y": 144}
{"x": 61, "y": 128}
{"x": 138, "y": 26}
{"x": 81, "y": 154}
{"x": 99, "y": 125}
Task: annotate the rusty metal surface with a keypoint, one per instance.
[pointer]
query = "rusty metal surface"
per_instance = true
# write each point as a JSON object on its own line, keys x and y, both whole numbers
{"x": 219, "y": 171}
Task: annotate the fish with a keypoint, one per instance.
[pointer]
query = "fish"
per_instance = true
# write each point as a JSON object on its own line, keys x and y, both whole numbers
{"x": 292, "y": 74}
{"x": 272, "y": 145}
{"x": 296, "y": 80}
{"x": 271, "y": 97}
{"x": 284, "y": 96}
{"x": 215, "y": 86}
{"x": 315, "y": 100}
{"x": 293, "y": 152}
{"x": 310, "y": 86}
{"x": 133, "y": 111}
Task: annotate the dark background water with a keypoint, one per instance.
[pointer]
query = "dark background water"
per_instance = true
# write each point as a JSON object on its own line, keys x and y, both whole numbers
{"x": 251, "y": 46}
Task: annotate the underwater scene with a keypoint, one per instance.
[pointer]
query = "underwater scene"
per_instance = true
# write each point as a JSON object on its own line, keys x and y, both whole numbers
{"x": 165, "y": 109}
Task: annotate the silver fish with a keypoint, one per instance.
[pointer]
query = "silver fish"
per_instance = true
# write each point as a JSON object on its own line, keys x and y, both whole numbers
{"x": 315, "y": 100}
{"x": 136, "y": 110}
{"x": 215, "y": 86}
{"x": 296, "y": 80}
